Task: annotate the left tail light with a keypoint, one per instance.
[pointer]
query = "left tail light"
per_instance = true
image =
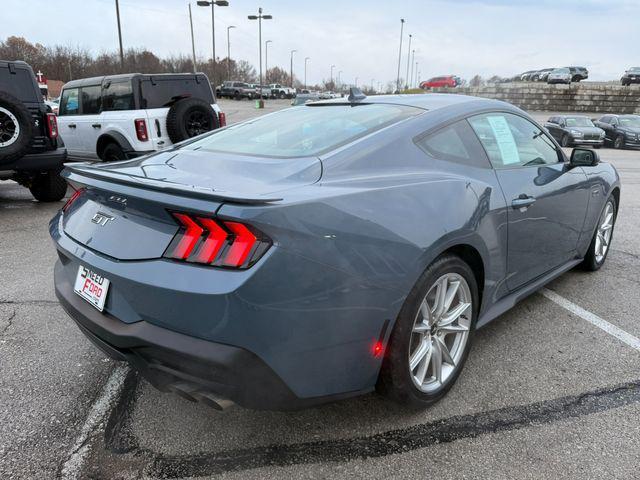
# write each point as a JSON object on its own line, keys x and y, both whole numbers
{"x": 72, "y": 199}
{"x": 222, "y": 119}
{"x": 220, "y": 243}
{"x": 141, "y": 129}
{"x": 52, "y": 125}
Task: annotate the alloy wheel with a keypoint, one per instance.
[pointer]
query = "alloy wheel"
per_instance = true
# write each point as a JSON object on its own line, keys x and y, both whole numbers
{"x": 197, "y": 123}
{"x": 440, "y": 332}
{"x": 9, "y": 128}
{"x": 605, "y": 230}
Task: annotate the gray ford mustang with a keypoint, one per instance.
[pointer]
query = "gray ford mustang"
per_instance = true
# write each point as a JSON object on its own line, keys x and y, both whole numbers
{"x": 326, "y": 250}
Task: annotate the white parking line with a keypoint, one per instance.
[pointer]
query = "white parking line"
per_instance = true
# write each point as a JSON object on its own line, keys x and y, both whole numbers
{"x": 592, "y": 318}
{"x": 81, "y": 447}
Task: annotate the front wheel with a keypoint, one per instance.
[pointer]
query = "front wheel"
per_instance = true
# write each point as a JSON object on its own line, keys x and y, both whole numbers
{"x": 432, "y": 335}
{"x": 565, "y": 140}
{"x": 599, "y": 247}
{"x": 48, "y": 187}
{"x": 618, "y": 142}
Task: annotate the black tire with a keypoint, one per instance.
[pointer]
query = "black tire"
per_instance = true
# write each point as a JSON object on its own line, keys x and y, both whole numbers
{"x": 16, "y": 128}
{"x": 113, "y": 153}
{"x": 282, "y": 95}
{"x": 565, "y": 141}
{"x": 395, "y": 379}
{"x": 591, "y": 262}
{"x": 190, "y": 117}
{"x": 237, "y": 96}
{"x": 618, "y": 142}
{"x": 48, "y": 187}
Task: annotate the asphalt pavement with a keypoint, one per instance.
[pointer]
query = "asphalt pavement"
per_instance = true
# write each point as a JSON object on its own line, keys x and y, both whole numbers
{"x": 545, "y": 393}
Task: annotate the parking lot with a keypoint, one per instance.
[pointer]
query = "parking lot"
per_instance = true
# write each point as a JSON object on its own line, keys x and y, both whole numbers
{"x": 546, "y": 392}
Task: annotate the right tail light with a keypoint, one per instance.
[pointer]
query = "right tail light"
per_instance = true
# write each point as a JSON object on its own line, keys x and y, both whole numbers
{"x": 215, "y": 242}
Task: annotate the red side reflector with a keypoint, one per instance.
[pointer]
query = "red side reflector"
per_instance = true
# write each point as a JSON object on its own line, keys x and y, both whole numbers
{"x": 72, "y": 199}
{"x": 241, "y": 247}
{"x": 214, "y": 242}
{"x": 222, "y": 119}
{"x": 189, "y": 237}
{"x": 141, "y": 129}
{"x": 378, "y": 349}
{"x": 52, "y": 125}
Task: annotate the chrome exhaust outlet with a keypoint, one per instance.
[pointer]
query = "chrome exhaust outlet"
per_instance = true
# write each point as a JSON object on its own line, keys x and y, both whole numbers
{"x": 213, "y": 401}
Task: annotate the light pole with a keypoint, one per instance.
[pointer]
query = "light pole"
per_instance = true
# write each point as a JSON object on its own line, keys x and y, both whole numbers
{"x": 259, "y": 17}
{"x": 339, "y": 73}
{"x": 332, "y": 67}
{"x": 356, "y": 85}
{"x": 291, "y": 67}
{"x": 266, "y": 60}
{"x": 193, "y": 42}
{"x": 406, "y": 79}
{"x": 206, "y": 3}
{"x": 372, "y": 80}
{"x": 229, "y": 52}
{"x": 413, "y": 61}
{"x": 417, "y": 79}
{"x": 120, "y": 36}
{"x": 399, "y": 55}
{"x": 306, "y": 59}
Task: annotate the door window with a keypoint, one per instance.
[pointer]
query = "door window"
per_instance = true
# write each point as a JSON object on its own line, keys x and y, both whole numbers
{"x": 512, "y": 141}
{"x": 117, "y": 96}
{"x": 69, "y": 104}
{"x": 90, "y": 99}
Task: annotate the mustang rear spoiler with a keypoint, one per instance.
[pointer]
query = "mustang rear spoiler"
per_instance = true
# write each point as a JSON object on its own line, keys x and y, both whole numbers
{"x": 86, "y": 175}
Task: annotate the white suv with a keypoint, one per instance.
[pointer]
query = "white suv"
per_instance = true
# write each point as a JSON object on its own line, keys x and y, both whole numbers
{"x": 124, "y": 116}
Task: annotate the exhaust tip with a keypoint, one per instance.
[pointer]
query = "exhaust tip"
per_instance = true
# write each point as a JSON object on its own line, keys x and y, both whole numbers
{"x": 213, "y": 401}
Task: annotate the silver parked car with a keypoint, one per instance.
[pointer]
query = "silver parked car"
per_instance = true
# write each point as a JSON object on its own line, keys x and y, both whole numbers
{"x": 560, "y": 75}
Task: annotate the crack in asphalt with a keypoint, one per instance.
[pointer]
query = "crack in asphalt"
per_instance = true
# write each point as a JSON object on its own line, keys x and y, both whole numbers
{"x": 9, "y": 322}
{"x": 29, "y": 302}
{"x": 395, "y": 441}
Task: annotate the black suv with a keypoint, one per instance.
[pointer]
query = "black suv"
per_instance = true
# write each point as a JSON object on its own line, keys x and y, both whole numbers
{"x": 620, "y": 130}
{"x": 631, "y": 76}
{"x": 29, "y": 151}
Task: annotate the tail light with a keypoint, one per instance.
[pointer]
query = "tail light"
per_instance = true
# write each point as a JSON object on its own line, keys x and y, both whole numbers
{"x": 222, "y": 119}
{"x": 216, "y": 242}
{"x": 52, "y": 125}
{"x": 72, "y": 199}
{"x": 141, "y": 129}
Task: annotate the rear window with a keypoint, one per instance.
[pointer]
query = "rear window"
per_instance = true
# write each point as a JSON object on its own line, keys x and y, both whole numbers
{"x": 117, "y": 96}
{"x": 19, "y": 84}
{"x": 162, "y": 93}
{"x": 91, "y": 99}
{"x": 304, "y": 130}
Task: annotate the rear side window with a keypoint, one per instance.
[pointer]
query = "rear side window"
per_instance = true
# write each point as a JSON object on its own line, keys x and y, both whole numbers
{"x": 162, "y": 93}
{"x": 117, "y": 96}
{"x": 455, "y": 143}
{"x": 69, "y": 104}
{"x": 512, "y": 141}
{"x": 90, "y": 99}
{"x": 305, "y": 130}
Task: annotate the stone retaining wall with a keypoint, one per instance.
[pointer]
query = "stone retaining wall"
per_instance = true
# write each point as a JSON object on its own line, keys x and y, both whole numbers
{"x": 578, "y": 97}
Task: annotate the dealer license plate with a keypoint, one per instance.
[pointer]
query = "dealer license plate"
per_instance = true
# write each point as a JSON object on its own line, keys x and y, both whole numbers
{"x": 92, "y": 287}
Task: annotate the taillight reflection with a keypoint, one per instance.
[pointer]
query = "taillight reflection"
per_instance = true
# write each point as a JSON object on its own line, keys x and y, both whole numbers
{"x": 216, "y": 242}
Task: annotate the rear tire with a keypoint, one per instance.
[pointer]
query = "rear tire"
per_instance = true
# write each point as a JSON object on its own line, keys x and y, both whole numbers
{"x": 420, "y": 386}
{"x": 283, "y": 95}
{"x": 48, "y": 187}
{"x": 596, "y": 256}
{"x": 16, "y": 128}
{"x": 113, "y": 153}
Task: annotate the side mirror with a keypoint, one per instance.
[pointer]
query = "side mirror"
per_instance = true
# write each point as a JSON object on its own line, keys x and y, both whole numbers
{"x": 584, "y": 157}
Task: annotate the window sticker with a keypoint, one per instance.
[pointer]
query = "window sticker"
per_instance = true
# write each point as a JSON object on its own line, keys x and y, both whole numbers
{"x": 505, "y": 140}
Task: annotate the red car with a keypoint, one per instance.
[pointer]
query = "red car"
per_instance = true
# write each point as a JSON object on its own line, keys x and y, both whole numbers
{"x": 435, "y": 82}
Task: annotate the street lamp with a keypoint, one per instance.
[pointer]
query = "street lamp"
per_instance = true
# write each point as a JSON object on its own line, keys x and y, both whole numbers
{"x": 266, "y": 60}
{"x": 413, "y": 61}
{"x": 260, "y": 17}
{"x": 229, "y": 52}
{"x": 119, "y": 38}
{"x": 406, "y": 79}
{"x": 339, "y": 73}
{"x": 306, "y": 59}
{"x": 332, "y": 67}
{"x": 399, "y": 55}
{"x": 356, "y": 85}
{"x": 219, "y": 3}
{"x": 291, "y": 67}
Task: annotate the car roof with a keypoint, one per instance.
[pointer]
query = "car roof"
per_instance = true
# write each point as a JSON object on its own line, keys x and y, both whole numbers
{"x": 82, "y": 82}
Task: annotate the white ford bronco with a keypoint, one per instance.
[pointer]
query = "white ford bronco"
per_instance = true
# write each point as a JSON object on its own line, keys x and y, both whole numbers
{"x": 124, "y": 116}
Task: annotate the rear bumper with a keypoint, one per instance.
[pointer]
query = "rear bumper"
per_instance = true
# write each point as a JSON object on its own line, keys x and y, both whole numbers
{"x": 196, "y": 369}
{"x": 32, "y": 162}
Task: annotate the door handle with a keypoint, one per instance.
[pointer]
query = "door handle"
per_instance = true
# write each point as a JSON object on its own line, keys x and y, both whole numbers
{"x": 96, "y": 125}
{"x": 523, "y": 201}
{"x": 72, "y": 125}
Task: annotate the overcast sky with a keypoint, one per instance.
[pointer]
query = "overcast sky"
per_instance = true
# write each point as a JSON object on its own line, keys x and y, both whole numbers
{"x": 361, "y": 38}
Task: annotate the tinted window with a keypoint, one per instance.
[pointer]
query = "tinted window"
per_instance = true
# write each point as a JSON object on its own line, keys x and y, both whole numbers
{"x": 164, "y": 92}
{"x": 90, "y": 99}
{"x": 303, "y": 130}
{"x": 69, "y": 104}
{"x": 631, "y": 121}
{"x": 512, "y": 141}
{"x": 117, "y": 96}
{"x": 579, "y": 122}
{"x": 455, "y": 143}
{"x": 19, "y": 84}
